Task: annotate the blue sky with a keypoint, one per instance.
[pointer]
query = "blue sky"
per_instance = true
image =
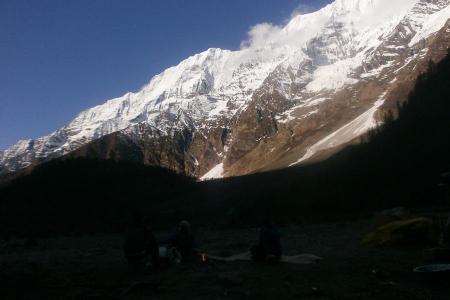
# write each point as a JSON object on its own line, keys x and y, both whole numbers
{"x": 58, "y": 58}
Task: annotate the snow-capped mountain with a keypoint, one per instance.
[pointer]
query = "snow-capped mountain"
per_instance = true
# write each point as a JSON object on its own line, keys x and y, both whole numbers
{"x": 288, "y": 94}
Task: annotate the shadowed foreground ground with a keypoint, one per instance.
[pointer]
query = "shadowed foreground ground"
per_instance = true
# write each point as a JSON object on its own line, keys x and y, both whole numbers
{"x": 92, "y": 267}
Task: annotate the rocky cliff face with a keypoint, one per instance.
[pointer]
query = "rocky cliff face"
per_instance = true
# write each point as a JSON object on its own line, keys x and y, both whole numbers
{"x": 290, "y": 93}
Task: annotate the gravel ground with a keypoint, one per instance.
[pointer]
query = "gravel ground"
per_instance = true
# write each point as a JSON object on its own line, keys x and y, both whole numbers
{"x": 93, "y": 267}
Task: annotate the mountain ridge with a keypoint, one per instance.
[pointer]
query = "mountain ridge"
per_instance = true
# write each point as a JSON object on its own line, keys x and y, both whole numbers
{"x": 266, "y": 104}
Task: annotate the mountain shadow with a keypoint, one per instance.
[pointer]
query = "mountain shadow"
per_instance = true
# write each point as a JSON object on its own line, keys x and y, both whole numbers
{"x": 399, "y": 163}
{"x": 82, "y": 196}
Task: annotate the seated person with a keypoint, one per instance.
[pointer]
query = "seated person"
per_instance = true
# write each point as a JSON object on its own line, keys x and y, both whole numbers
{"x": 139, "y": 244}
{"x": 183, "y": 241}
{"x": 269, "y": 246}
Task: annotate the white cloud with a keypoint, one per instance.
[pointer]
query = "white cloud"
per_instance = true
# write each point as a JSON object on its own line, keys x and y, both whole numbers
{"x": 264, "y": 34}
{"x": 261, "y": 34}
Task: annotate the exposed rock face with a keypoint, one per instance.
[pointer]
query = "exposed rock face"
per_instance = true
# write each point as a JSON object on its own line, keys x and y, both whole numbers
{"x": 319, "y": 82}
{"x": 150, "y": 146}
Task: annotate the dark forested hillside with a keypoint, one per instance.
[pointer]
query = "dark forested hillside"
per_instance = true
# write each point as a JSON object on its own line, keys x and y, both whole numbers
{"x": 397, "y": 164}
{"x": 80, "y": 195}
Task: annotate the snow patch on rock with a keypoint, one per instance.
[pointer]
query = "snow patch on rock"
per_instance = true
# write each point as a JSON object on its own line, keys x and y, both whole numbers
{"x": 345, "y": 134}
{"x": 215, "y": 173}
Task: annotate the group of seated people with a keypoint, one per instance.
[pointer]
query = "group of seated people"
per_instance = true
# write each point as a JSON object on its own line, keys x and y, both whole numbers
{"x": 140, "y": 245}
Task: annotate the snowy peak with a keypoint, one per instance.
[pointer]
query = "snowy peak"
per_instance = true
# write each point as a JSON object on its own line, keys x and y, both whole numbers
{"x": 195, "y": 75}
{"x": 354, "y": 5}
{"x": 375, "y": 8}
{"x": 356, "y": 12}
{"x": 221, "y": 106}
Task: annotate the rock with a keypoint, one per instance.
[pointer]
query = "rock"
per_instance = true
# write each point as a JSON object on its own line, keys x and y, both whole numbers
{"x": 31, "y": 243}
{"x": 229, "y": 281}
{"x": 96, "y": 252}
{"x": 380, "y": 274}
{"x": 142, "y": 286}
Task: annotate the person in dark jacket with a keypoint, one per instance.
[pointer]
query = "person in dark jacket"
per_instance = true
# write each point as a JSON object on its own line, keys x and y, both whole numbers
{"x": 139, "y": 244}
{"x": 184, "y": 242}
{"x": 269, "y": 245}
